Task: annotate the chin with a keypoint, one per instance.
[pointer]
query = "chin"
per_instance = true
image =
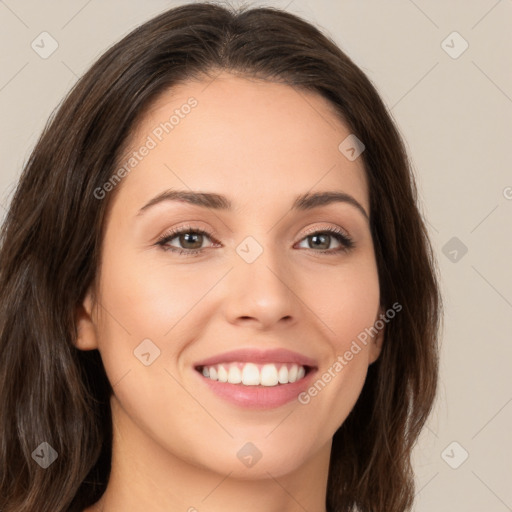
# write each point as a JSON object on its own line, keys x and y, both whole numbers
{"x": 254, "y": 460}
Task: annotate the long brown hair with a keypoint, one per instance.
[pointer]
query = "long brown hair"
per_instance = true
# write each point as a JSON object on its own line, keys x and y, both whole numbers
{"x": 51, "y": 240}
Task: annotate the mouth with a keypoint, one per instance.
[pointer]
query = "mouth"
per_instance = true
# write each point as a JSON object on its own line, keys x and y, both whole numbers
{"x": 257, "y": 379}
{"x": 253, "y": 374}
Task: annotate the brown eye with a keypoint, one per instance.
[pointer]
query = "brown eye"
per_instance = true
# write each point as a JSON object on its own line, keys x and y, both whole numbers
{"x": 190, "y": 241}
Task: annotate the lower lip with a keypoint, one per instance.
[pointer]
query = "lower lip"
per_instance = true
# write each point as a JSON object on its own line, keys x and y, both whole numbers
{"x": 258, "y": 397}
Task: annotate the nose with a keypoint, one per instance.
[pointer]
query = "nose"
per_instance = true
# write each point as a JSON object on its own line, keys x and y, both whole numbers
{"x": 261, "y": 293}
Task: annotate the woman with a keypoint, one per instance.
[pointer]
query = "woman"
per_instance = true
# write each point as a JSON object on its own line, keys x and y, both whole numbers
{"x": 286, "y": 359}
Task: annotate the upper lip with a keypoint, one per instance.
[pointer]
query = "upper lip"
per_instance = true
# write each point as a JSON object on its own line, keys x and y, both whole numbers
{"x": 249, "y": 355}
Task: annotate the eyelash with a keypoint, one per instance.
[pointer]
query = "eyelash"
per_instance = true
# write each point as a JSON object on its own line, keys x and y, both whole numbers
{"x": 345, "y": 240}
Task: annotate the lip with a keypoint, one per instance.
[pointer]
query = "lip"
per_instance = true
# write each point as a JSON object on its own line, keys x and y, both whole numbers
{"x": 258, "y": 397}
{"x": 248, "y": 355}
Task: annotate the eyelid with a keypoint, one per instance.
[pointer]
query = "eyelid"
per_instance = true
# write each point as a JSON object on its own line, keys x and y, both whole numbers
{"x": 317, "y": 229}
{"x": 346, "y": 241}
{"x": 186, "y": 228}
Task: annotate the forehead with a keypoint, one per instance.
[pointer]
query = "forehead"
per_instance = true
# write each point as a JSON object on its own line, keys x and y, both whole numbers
{"x": 244, "y": 138}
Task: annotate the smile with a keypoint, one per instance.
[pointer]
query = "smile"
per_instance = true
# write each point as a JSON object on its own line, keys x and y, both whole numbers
{"x": 252, "y": 374}
{"x": 255, "y": 378}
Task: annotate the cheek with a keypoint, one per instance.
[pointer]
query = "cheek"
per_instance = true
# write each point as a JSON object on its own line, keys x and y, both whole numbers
{"x": 150, "y": 299}
{"x": 166, "y": 304}
{"x": 347, "y": 303}
{"x": 346, "y": 300}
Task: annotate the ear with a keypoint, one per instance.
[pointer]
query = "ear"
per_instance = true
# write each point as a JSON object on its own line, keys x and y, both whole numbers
{"x": 87, "y": 338}
{"x": 378, "y": 339}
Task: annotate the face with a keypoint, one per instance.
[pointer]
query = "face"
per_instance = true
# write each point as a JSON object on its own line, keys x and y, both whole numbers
{"x": 268, "y": 290}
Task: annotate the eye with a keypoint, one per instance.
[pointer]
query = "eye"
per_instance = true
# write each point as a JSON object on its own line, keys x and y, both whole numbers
{"x": 322, "y": 240}
{"x": 191, "y": 241}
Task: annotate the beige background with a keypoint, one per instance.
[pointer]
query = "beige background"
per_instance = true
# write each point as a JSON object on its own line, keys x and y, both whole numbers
{"x": 456, "y": 117}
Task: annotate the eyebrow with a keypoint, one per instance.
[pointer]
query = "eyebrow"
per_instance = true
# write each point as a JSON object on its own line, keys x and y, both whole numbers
{"x": 302, "y": 202}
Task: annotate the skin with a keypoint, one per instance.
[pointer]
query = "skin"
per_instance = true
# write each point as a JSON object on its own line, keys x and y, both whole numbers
{"x": 175, "y": 443}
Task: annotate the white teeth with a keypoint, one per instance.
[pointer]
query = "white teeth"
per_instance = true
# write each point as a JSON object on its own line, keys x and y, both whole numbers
{"x": 222, "y": 374}
{"x": 250, "y": 374}
{"x": 283, "y": 375}
{"x": 269, "y": 376}
{"x": 234, "y": 375}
